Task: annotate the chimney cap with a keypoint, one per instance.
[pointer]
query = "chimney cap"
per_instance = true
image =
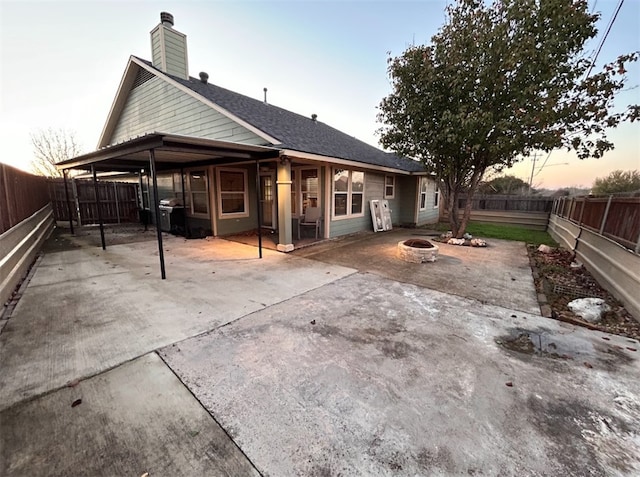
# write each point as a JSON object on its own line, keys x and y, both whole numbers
{"x": 166, "y": 18}
{"x": 204, "y": 77}
{"x": 314, "y": 116}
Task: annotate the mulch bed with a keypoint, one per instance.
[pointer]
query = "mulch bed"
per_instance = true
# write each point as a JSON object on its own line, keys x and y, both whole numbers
{"x": 560, "y": 283}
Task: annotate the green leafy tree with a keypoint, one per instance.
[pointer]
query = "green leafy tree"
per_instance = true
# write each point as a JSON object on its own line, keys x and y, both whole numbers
{"x": 617, "y": 181}
{"x": 498, "y": 82}
{"x": 506, "y": 184}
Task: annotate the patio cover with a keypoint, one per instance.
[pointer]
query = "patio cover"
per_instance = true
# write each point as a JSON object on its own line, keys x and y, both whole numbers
{"x": 160, "y": 152}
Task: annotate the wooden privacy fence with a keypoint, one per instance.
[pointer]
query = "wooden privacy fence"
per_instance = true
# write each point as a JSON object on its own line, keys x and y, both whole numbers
{"x": 119, "y": 201}
{"x": 21, "y": 195}
{"x": 529, "y": 212}
{"x": 508, "y": 202}
{"x": 615, "y": 217}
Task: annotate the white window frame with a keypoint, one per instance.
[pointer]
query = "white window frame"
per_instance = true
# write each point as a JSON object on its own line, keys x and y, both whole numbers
{"x": 422, "y": 193}
{"x": 349, "y": 192}
{"x": 393, "y": 187}
{"x": 232, "y": 215}
{"x": 436, "y": 198}
{"x": 296, "y": 189}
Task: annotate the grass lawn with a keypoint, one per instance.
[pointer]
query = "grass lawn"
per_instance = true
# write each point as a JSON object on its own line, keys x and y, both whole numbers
{"x": 506, "y": 232}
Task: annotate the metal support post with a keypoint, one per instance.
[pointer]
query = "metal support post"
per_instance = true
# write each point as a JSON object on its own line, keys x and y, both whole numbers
{"x": 66, "y": 195}
{"x": 98, "y": 208}
{"x": 156, "y": 201}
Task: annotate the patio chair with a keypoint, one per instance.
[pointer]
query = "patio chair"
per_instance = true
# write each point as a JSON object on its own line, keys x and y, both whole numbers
{"x": 311, "y": 218}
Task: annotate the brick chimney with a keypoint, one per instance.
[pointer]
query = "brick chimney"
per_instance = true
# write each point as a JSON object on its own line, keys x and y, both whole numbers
{"x": 169, "y": 48}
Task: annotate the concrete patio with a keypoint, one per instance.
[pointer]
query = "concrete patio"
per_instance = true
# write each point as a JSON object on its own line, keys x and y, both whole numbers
{"x": 334, "y": 360}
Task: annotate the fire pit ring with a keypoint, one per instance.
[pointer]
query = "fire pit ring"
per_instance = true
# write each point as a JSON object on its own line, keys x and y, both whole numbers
{"x": 417, "y": 251}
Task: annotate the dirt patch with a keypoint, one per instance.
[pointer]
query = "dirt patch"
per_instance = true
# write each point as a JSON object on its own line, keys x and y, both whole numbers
{"x": 560, "y": 283}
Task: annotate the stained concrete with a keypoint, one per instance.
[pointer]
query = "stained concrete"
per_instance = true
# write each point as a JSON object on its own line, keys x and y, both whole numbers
{"x": 88, "y": 310}
{"x": 390, "y": 379}
{"x": 133, "y": 420}
{"x": 498, "y": 274}
{"x": 368, "y": 376}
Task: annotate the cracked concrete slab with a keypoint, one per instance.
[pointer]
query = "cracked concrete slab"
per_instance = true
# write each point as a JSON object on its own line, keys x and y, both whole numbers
{"x": 134, "y": 420}
{"x": 368, "y": 376}
{"x": 88, "y": 310}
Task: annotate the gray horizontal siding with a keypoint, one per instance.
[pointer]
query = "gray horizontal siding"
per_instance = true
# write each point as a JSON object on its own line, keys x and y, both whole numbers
{"x": 431, "y": 214}
{"x": 373, "y": 189}
{"x": 175, "y": 54}
{"x": 159, "y": 106}
{"x": 156, "y": 50}
{"x": 230, "y": 226}
{"x": 406, "y": 190}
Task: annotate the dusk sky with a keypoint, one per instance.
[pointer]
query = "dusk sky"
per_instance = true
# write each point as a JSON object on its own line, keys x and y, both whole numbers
{"x": 61, "y": 63}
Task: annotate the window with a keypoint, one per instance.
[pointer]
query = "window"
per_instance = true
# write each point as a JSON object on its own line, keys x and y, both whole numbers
{"x": 423, "y": 193}
{"x": 233, "y": 193}
{"x": 389, "y": 187}
{"x": 177, "y": 189}
{"x": 198, "y": 196}
{"x": 436, "y": 198}
{"x": 305, "y": 189}
{"x": 309, "y": 188}
{"x": 196, "y": 192}
{"x": 348, "y": 193}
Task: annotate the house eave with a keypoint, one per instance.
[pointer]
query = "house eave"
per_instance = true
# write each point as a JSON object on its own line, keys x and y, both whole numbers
{"x": 343, "y": 162}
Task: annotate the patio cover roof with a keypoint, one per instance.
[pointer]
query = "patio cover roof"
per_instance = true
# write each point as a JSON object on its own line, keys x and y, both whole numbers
{"x": 171, "y": 151}
{"x": 159, "y": 151}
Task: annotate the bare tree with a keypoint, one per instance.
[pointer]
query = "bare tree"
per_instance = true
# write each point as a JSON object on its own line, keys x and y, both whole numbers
{"x": 51, "y": 146}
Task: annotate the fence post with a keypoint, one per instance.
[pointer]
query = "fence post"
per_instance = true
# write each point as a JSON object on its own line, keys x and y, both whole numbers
{"x": 584, "y": 201}
{"x": 115, "y": 193}
{"x": 606, "y": 213}
{"x": 76, "y": 199}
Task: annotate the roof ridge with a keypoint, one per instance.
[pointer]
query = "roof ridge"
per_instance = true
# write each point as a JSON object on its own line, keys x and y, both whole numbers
{"x": 293, "y": 130}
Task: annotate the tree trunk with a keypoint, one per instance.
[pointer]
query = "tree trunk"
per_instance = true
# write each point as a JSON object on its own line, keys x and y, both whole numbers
{"x": 473, "y": 187}
{"x": 452, "y": 209}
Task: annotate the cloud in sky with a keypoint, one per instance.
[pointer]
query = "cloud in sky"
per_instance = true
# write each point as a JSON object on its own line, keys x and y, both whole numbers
{"x": 61, "y": 63}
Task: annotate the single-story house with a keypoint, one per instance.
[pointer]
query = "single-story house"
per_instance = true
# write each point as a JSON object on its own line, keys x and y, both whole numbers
{"x": 218, "y": 148}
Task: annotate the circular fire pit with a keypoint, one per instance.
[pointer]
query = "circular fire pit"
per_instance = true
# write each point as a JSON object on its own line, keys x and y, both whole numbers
{"x": 417, "y": 251}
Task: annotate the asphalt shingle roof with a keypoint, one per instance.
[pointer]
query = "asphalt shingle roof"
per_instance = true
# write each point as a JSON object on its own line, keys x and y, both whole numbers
{"x": 295, "y": 131}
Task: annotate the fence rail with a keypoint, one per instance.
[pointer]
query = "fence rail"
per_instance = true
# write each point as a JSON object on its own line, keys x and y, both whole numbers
{"x": 118, "y": 201}
{"x": 21, "y": 195}
{"x": 615, "y": 217}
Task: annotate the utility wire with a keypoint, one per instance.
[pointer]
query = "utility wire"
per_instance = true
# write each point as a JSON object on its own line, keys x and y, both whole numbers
{"x": 604, "y": 38}
{"x": 593, "y": 62}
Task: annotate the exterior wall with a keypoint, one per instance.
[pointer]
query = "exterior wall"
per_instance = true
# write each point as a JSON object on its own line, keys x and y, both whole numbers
{"x": 373, "y": 189}
{"x": 431, "y": 214}
{"x": 402, "y": 206}
{"x": 159, "y": 106}
{"x": 19, "y": 246}
{"x": 229, "y": 226}
{"x": 405, "y": 203}
{"x": 616, "y": 268}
